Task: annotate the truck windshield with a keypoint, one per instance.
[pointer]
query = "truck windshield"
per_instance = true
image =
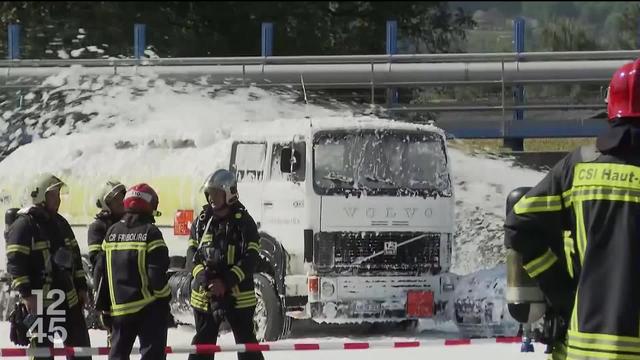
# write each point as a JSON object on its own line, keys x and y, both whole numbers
{"x": 380, "y": 162}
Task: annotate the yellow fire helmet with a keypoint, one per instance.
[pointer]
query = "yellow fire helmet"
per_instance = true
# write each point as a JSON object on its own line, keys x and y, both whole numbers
{"x": 43, "y": 184}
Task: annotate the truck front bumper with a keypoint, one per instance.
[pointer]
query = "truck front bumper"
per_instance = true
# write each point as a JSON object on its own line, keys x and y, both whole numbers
{"x": 378, "y": 297}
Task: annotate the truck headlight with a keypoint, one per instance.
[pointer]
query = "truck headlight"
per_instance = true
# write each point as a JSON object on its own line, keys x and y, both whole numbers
{"x": 328, "y": 289}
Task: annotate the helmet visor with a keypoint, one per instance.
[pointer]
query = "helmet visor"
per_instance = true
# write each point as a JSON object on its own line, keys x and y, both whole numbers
{"x": 60, "y": 186}
{"x": 114, "y": 192}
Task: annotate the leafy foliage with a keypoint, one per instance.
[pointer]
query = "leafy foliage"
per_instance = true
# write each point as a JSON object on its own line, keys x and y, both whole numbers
{"x": 230, "y": 28}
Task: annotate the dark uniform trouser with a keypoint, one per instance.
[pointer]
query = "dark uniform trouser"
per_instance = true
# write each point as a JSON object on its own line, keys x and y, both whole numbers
{"x": 77, "y": 332}
{"x": 241, "y": 321}
{"x": 150, "y": 324}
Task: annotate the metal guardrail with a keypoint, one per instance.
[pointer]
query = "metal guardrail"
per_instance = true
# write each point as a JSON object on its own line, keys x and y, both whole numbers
{"x": 498, "y": 107}
{"x": 333, "y": 59}
{"x": 368, "y": 72}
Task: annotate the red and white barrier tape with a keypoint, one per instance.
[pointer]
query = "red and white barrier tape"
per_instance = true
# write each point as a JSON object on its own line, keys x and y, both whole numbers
{"x": 283, "y": 346}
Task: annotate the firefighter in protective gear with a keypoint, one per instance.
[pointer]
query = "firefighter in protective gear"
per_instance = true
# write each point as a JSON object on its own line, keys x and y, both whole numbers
{"x": 228, "y": 248}
{"x": 196, "y": 231}
{"x": 133, "y": 265}
{"x": 43, "y": 255}
{"x": 578, "y": 231}
{"x": 110, "y": 201}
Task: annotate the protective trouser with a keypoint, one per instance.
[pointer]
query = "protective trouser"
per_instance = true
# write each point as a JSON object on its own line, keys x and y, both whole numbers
{"x": 75, "y": 326}
{"x": 149, "y": 324}
{"x": 241, "y": 321}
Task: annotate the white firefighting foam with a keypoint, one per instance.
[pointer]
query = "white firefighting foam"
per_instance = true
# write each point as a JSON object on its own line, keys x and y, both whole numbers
{"x": 143, "y": 128}
{"x": 173, "y": 135}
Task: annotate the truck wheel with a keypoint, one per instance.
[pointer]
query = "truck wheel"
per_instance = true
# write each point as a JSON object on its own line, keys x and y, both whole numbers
{"x": 269, "y": 320}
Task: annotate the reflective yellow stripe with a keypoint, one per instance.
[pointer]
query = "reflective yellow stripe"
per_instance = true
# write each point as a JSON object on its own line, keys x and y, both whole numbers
{"x": 130, "y": 308}
{"x": 72, "y": 298}
{"x": 238, "y": 272}
{"x": 254, "y": 246}
{"x": 18, "y": 248}
{"x": 590, "y": 355}
{"x": 231, "y": 254}
{"x": 245, "y": 294}
{"x": 155, "y": 244}
{"x": 246, "y": 304}
{"x": 590, "y": 344}
{"x": 249, "y": 298}
{"x": 45, "y": 290}
{"x": 128, "y": 245}
{"x": 568, "y": 251}
{"x": 573, "y": 325}
{"x": 604, "y": 347}
{"x": 197, "y": 270}
{"x": 144, "y": 279}
{"x": 193, "y": 243}
{"x": 610, "y": 175}
{"x": 604, "y": 338}
{"x": 166, "y": 291}
{"x": 200, "y": 295}
{"x": 539, "y": 265}
{"x": 604, "y": 193}
{"x": 71, "y": 242}
{"x": 41, "y": 245}
{"x": 623, "y": 198}
{"x": 566, "y": 197}
{"x": 110, "y": 277}
{"x": 133, "y": 304}
{"x": 199, "y": 300}
{"x": 19, "y": 281}
{"x": 538, "y": 204}
{"x": 207, "y": 238}
{"x": 203, "y": 305}
{"x": 200, "y": 306}
{"x": 46, "y": 258}
{"x": 581, "y": 236}
{"x": 80, "y": 273}
{"x": 95, "y": 247}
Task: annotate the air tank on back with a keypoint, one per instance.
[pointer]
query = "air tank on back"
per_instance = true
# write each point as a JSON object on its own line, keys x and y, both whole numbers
{"x": 9, "y": 217}
{"x": 525, "y": 300}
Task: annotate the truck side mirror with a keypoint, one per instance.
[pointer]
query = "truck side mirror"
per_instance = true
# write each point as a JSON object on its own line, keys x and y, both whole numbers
{"x": 289, "y": 160}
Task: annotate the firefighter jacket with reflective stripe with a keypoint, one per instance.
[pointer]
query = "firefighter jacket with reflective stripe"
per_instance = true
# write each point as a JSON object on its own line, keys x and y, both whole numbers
{"x": 136, "y": 262}
{"x": 578, "y": 231}
{"x": 32, "y": 241}
{"x": 197, "y": 229}
{"x": 96, "y": 232}
{"x": 236, "y": 238}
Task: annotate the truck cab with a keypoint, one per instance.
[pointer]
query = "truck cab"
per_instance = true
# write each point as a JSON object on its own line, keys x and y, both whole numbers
{"x": 356, "y": 221}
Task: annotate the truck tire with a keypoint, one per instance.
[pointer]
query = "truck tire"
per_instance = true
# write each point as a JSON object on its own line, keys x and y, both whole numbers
{"x": 270, "y": 321}
{"x": 177, "y": 262}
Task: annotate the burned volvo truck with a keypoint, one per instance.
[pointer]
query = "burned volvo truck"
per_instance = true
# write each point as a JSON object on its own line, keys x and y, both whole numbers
{"x": 356, "y": 221}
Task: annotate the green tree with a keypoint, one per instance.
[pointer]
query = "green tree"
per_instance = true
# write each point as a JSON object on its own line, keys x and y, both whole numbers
{"x": 626, "y": 27}
{"x": 546, "y": 10}
{"x": 232, "y": 28}
{"x": 564, "y": 34}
